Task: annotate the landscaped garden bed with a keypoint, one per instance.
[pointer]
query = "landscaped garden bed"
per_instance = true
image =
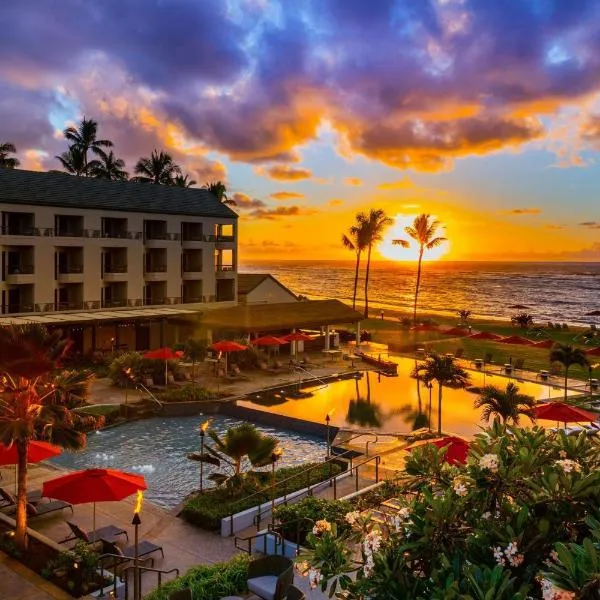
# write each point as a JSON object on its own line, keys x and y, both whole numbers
{"x": 207, "y": 509}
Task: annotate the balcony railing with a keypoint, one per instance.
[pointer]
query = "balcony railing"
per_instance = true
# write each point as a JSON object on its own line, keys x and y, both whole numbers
{"x": 18, "y": 308}
{"x": 54, "y": 306}
{"x": 153, "y": 300}
{"x": 170, "y": 237}
{"x": 115, "y": 269}
{"x": 20, "y": 269}
{"x": 223, "y": 268}
{"x": 115, "y": 303}
{"x": 155, "y": 269}
{"x": 191, "y": 268}
{"x": 70, "y": 269}
{"x": 193, "y": 237}
{"x": 119, "y": 235}
{"x": 27, "y": 231}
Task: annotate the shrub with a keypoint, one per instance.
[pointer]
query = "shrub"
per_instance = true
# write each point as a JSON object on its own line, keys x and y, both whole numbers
{"x": 140, "y": 368}
{"x": 209, "y": 582}
{"x": 207, "y": 509}
{"x": 188, "y": 393}
{"x": 110, "y": 412}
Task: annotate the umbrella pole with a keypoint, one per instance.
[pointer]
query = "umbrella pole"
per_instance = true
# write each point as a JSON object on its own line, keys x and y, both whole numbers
{"x": 94, "y": 523}
{"x": 166, "y": 372}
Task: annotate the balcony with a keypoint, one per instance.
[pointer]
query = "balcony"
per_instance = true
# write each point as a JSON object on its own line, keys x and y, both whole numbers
{"x": 115, "y": 303}
{"x": 70, "y": 274}
{"x": 26, "y": 231}
{"x": 115, "y": 273}
{"x": 20, "y": 274}
{"x": 18, "y": 308}
{"x": 155, "y": 272}
{"x": 224, "y": 270}
{"x": 191, "y": 272}
{"x": 161, "y": 301}
{"x": 113, "y": 234}
{"x": 158, "y": 239}
{"x": 67, "y": 232}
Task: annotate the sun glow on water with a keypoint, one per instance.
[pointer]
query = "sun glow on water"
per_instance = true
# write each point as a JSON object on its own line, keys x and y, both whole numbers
{"x": 393, "y": 252}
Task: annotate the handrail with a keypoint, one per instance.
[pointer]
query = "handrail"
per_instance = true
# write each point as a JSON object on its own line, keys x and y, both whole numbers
{"x": 271, "y": 528}
{"x": 275, "y": 534}
{"x": 312, "y": 375}
{"x": 138, "y": 573}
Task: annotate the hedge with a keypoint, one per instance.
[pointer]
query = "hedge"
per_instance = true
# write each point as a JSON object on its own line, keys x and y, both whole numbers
{"x": 209, "y": 582}
{"x": 207, "y": 509}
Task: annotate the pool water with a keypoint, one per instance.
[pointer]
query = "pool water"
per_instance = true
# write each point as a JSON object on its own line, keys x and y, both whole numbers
{"x": 394, "y": 404}
{"x": 157, "y": 449}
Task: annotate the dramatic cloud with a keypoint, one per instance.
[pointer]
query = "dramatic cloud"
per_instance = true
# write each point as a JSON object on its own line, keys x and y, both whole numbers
{"x": 522, "y": 211}
{"x": 356, "y": 181}
{"x": 401, "y": 184}
{"x": 272, "y": 214}
{"x": 590, "y": 224}
{"x": 286, "y": 195}
{"x": 284, "y": 173}
{"x": 244, "y": 202}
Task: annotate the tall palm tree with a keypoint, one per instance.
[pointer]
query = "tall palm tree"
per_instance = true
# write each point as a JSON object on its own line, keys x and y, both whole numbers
{"x": 6, "y": 161}
{"x": 567, "y": 356}
{"x": 184, "y": 181}
{"x": 219, "y": 189}
{"x": 423, "y": 231}
{"x": 507, "y": 405}
{"x": 356, "y": 240}
{"x": 158, "y": 168}
{"x": 445, "y": 372}
{"x": 376, "y": 223}
{"x": 74, "y": 163}
{"x": 109, "y": 167}
{"x": 30, "y": 408}
{"x": 84, "y": 138}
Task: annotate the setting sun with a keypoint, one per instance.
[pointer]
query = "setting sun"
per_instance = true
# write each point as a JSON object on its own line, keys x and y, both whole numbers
{"x": 395, "y": 252}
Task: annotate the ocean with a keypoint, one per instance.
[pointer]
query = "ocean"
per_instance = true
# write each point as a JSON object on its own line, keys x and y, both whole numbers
{"x": 558, "y": 292}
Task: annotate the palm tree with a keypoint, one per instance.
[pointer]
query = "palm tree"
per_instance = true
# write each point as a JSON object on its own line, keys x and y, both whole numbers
{"x": 567, "y": 356}
{"x": 443, "y": 370}
{"x": 73, "y": 162}
{"x": 375, "y": 224}
{"x": 423, "y": 231}
{"x": 507, "y": 405}
{"x": 523, "y": 320}
{"x": 109, "y": 167}
{"x": 158, "y": 168}
{"x": 219, "y": 189}
{"x": 183, "y": 181}
{"x": 356, "y": 240}
{"x": 6, "y": 161}
{"x": 84, "y": 138}
{"x": 29, "y": 406}
{"x": 238, "y": 443}
{"x": 464, "y": 315}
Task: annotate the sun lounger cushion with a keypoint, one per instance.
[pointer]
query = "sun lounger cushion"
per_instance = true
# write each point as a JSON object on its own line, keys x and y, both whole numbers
{"x": 264, "y": 587}
{"x": 44, "y": 508}
{"x": 110, "y": 533}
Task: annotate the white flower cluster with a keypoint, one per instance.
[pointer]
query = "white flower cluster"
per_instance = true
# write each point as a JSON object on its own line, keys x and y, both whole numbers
{"x": 352, "y": 517}
{"x": 401, "y": 517}
{"x": 370, "y": 545}
{"x": 549, "y": 592}
{"x": 459, "y": 485}
{"x": 509, "y": 556}
{"x": 314, "y": 575}
{"x": 563, "y": 454}
{"x": 489, "y": 462}
{"x": 321, "y": 527}
{"x": 568, "y": 465}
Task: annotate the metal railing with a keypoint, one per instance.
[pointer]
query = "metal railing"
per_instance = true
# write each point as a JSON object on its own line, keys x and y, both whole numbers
{"x": 119, "y": 235}
{"x": 247, "y": 542}
{"x": 70, "y": 269}
{"x": 167, "y": 237}
{"x": 277, "y": 529}
{"x": 17, "y": 308}
{"x": 155, "y": 269}
{"x": 115, "y": 268}
{"x": 21, "y": 270}
{"x": 223, "y": 268}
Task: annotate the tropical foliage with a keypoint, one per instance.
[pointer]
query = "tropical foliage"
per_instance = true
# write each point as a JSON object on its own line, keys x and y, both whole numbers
{"x": 507, "y": 405}
{"x": 424, "y": 232}
{"x": 84, "y": 138}
{"x": 7, "y": 161}
{"x": 158, "y": 168}
{"x": 443, "y": 370}
{"x": 219, "y": 190}
{"x": 184, "y": 181}
{"x": 464, "y": 315}
{"x": 523, "y": 320}
{"x": 567, "y": 356}
{"x": 356, "y": 241}
{"x": 519, "y": 520}
{"x": 109, "y": 167}
{"x": 74, "y": 163}
{"x": 32, "y": 405}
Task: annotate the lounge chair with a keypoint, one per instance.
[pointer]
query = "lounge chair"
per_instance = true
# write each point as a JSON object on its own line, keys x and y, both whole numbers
{"x": 294, "y": 593}
{"x": 110, "y": 534}
{"x": 145, "y": 549}
{"x": 7, "y": 499}
{"x": 270, "y": 577}
{"x": 45, "y": 508}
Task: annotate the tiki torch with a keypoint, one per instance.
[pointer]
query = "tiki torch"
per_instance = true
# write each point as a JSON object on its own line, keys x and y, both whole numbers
{"x": 203, "y": 429}
{"x": 136, "y": 522}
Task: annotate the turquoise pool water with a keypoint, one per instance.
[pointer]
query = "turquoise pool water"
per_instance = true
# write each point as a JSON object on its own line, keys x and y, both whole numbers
{"x": 157, "y": 449}
{"x": 394, "y": 404}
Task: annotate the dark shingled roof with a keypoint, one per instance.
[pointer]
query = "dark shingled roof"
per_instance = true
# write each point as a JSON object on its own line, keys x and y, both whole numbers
{"x": 67, "y": 191}
{"x": 250, "y": 281}
{"x": 275, "y": 317}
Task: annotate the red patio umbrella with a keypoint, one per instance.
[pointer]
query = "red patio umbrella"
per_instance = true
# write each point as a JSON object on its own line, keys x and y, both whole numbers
{"x": 544, "y": 344}
{"x": 37, "y": 452}
{"x": 593, "y": 351}
{"x": 425, "y": 327}
{"x": 456, "y": 331}
{"x": 485, "y": 335}
{"x": 227, "y": 346}
{"x": 94, "y": 485}
{"x": 268, "y": 340}
{"x": 516, "y": 339}
{"x": 559, "y": 411}
{"x": 457, "y": 448}
{"x": 297, "y": 336}
{"x": 165, "y": 354}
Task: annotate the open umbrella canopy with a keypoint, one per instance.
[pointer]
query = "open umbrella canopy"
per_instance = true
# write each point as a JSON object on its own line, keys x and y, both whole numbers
{"x": 38, "y": 451}
{"x": 162, "y": 354}
{"x": 517, "y": 340}
{"x": 485, "y": 335}
{"x": 425, "y": 327}
{"x": 457, "y": 331}
{"x": 94, "y": 485}
{"x": 227, "y": 346}
{"x": 457, "y": 448}
{"x": 559, "y": 411}
{"x": 297, "y": 336}
{"x": 269, "y": 340}
{"x": 544, "y": 344}
{"x": 593, "y": 351}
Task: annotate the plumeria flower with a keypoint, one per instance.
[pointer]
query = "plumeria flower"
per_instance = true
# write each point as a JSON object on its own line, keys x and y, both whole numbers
{"x": 549, "y": 592}
{"x": 314, "y": 578}
{"x": 568, "y": 465}
{"x": 490, "y": 462}
{"x": 322, "y": 527}
{"x": 352, "y": 517}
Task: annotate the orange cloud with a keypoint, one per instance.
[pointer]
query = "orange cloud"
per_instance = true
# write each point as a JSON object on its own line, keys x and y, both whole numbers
{"x": 522, "y": 211}
{"x": 286, "y": 195}
{"x": 356, "y": 181}
{"x": 282, "y": 211}
{"x": 405, "y": 183}
{"x": 335, "y": 202}
{"x": 284, "y": 172}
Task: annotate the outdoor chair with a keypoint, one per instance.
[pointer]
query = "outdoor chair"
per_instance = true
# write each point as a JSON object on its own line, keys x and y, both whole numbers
{"x": 295, "y": 593}
{"x": 145, "y": 550}
{"x": 7, "y": 499}
{"x": 110, "y": 533}
{"x": 45, "y": 508}
{"x": 270, "y": 577}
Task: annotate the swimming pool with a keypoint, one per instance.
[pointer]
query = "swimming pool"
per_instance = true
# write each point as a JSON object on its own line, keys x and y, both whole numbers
{"x": 392, "y": 404}
{"x": 157, "y": 449}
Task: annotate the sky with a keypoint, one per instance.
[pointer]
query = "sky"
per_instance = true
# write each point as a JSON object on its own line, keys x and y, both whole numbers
{"x": 483, "y": 113}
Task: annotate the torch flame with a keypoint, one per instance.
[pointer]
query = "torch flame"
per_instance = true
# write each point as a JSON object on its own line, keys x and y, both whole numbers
{"x": 205, "y": 425}
{"x": 139, "y": 501}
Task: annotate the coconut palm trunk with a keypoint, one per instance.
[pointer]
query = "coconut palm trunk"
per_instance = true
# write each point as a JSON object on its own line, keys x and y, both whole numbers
{"x": 367, "y": 271}
{"x": 21, "y": 529}
{"x": 440, "y": 408}
{"x": 417, "y": 285}
{"x": 356, "y": 271}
